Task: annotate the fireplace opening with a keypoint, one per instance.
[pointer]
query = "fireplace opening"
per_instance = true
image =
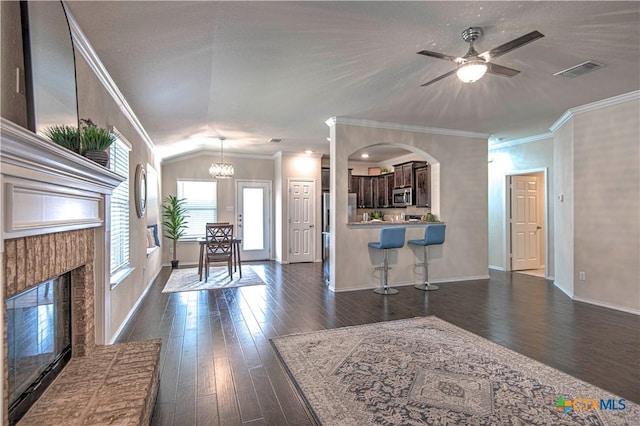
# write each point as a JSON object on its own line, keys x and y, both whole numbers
{"x": 38, "y": 341}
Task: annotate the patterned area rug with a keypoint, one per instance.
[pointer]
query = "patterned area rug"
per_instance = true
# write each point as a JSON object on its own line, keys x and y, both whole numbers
{"x": 188, "y": 280}
{"x": 427, "y": 371}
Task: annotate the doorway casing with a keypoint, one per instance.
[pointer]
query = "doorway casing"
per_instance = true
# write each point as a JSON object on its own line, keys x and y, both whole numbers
{"x": 507, "y": 214}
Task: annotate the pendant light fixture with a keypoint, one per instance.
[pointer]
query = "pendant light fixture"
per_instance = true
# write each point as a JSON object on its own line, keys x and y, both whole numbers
{"x": 221, "y": 170}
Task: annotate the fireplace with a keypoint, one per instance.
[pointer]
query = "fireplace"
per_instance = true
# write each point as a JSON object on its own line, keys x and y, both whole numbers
{"x": 53, "y": 220}
{"x": 38, "y": 267}
{"x": 38, "y": 341}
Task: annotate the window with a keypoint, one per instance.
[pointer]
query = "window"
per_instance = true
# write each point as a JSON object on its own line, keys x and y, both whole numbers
{"x": 201, "y": 204}
{"x": 119, "y": 163}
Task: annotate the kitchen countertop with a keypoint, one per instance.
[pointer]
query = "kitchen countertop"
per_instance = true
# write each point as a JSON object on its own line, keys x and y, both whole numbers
{"x": 376, "y": 223}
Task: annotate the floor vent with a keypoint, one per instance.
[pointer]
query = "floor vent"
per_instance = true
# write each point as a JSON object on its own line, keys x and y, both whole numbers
{"x": 579, "y": 69}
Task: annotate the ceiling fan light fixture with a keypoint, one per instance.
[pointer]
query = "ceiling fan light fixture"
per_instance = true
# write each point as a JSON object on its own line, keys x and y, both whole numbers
{"x": 471, "y": 71}
{"x": 221, "y": 170}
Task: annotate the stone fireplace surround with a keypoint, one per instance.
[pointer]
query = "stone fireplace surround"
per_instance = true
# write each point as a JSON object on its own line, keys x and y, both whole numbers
{"x": 28, "y": 261}
{"x": 54, "y": 204}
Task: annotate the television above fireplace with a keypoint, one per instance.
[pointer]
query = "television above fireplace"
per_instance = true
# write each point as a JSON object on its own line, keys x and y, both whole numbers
{"x": 50, "y": 72}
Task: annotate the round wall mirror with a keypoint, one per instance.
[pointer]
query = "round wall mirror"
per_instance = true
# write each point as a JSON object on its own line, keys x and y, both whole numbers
{"x": 140, "y": 190}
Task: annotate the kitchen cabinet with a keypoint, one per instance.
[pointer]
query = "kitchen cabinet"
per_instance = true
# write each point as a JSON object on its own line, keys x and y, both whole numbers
{"x": 404, "y": 174}
{"x": 363, "y": 187}
{"x": 326, "y": 179}
{"x": 423, "y": 187}
{"x": 383, "y": 190}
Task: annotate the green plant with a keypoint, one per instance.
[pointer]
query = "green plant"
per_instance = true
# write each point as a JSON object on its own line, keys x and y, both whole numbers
{"x": 175, "y": 217}
{"x": 65, "y": 136}
{"x": 377, "y": 215}
{"x": 94, "y": 138}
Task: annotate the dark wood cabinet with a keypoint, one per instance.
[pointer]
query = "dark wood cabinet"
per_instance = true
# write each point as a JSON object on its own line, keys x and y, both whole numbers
{"x": 423, "y": 187}
{"x": 363, "y": 187}
{"x": 326, "y": 179}
{"x": 403, "y": 174}
{"x": 355, "y": 187}
{"x": 383, "y": 190}
{"x": 407, "y": 175}
{"x": 366, "y": 191}
{"x": 398, "y": 177}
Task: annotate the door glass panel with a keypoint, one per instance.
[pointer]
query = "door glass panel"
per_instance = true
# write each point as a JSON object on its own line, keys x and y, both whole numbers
{"x": 253, "y": 219}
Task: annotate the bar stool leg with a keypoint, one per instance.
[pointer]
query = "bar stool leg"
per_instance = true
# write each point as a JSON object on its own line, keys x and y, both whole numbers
{"x": 425, "y": 276}
{"x": 385, "y": 270}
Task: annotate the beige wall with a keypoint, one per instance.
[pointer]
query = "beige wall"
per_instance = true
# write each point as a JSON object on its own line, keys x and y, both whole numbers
{"x": 563, "y": 187}
{"x": 606, "y": 181}
{"x": 197, "y": 167}
{"x": 459, "y": 198}
{"x": 95, "y": 102}
{"x": 517, "y": 159}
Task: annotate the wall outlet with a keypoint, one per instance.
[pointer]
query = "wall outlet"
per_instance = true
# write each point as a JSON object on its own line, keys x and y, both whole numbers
{"x": 170, "y": 250}
{"x": 582, "y": 276}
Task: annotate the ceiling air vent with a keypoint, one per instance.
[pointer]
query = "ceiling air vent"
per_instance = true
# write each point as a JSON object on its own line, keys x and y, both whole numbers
{"x": 275, "y": 140}
{"x": 579, "y": 69}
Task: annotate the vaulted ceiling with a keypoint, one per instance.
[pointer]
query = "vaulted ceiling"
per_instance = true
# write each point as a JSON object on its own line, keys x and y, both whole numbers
{"x": 252, "y": 71}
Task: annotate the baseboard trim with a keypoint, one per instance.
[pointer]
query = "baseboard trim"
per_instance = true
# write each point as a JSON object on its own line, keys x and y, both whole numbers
{"x": 497, "y": 268}
{"x": 133, "y": 309}
{"x": 562, "y": 289}
{"x": 607, "y": 305}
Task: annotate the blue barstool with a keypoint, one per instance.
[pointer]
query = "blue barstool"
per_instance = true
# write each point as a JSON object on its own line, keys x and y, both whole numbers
{"x": 433, "y": 234}
{"x": 390, "y": 238}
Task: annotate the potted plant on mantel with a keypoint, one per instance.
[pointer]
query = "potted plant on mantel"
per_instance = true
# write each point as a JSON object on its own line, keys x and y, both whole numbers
{"x": 175, "y": 216}
{"x": 91, "y": 141}
{"x": 65, "y": 136}
{"x": 95, "y": 143}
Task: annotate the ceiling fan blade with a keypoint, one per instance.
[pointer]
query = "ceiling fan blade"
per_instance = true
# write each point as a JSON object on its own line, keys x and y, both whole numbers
{"x": 513, "y": 44}
{"x": 439, "y": 78}
{"x": 500, "y": 70}
{"x": 438, "y": 55}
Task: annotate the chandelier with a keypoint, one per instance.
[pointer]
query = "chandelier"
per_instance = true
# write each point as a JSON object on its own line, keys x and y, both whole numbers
{"x": 221, "y": 170}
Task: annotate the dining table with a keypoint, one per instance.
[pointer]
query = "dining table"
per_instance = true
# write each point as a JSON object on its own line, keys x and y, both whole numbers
{"x": 235, "y": 250}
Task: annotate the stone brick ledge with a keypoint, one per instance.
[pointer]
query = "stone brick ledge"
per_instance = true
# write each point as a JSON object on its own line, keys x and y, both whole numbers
{"x": 115, "y": 385}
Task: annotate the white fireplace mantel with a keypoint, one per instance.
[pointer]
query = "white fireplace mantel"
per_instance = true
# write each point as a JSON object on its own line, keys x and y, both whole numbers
{"x": 48, "y": 188}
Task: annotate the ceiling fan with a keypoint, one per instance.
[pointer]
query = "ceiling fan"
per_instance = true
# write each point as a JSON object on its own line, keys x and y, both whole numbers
{"x": 473, "y": 65}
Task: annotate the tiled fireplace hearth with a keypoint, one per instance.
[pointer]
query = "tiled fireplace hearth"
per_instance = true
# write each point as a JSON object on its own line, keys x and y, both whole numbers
{"x": 54, "y": 205}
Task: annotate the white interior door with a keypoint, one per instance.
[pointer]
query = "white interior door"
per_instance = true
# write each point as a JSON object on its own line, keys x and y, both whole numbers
{"x": 525, "y": 223}
{"x": 254, "y": 219}
{"x": 302, "y": 220}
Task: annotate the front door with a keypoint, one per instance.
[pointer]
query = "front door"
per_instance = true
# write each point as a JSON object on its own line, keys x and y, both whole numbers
{"x": 525, "y": 223}
{"x": 302, "y": 220}
{"x": 254, "y": 219}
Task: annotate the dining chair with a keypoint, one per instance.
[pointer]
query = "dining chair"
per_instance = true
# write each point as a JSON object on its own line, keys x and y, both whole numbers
{"x": 219, "y": 246}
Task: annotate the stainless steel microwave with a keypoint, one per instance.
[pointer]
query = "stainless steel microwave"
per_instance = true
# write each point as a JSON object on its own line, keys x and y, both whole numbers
{"x": 403, "y": 197}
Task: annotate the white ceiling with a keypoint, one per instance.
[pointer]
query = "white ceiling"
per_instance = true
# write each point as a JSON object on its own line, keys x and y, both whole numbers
{"x": 251, "y": 71}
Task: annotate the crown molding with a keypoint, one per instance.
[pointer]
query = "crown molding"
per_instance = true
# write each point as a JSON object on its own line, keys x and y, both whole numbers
{"x": 84, "y": 47}
{"x": 402, "y": 127}
{"x": 520, "y": 141}
{"x": 604, "y": 103}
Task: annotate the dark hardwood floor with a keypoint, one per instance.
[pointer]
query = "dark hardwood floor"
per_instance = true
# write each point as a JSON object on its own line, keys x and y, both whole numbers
{"x": 218, "y": 366}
